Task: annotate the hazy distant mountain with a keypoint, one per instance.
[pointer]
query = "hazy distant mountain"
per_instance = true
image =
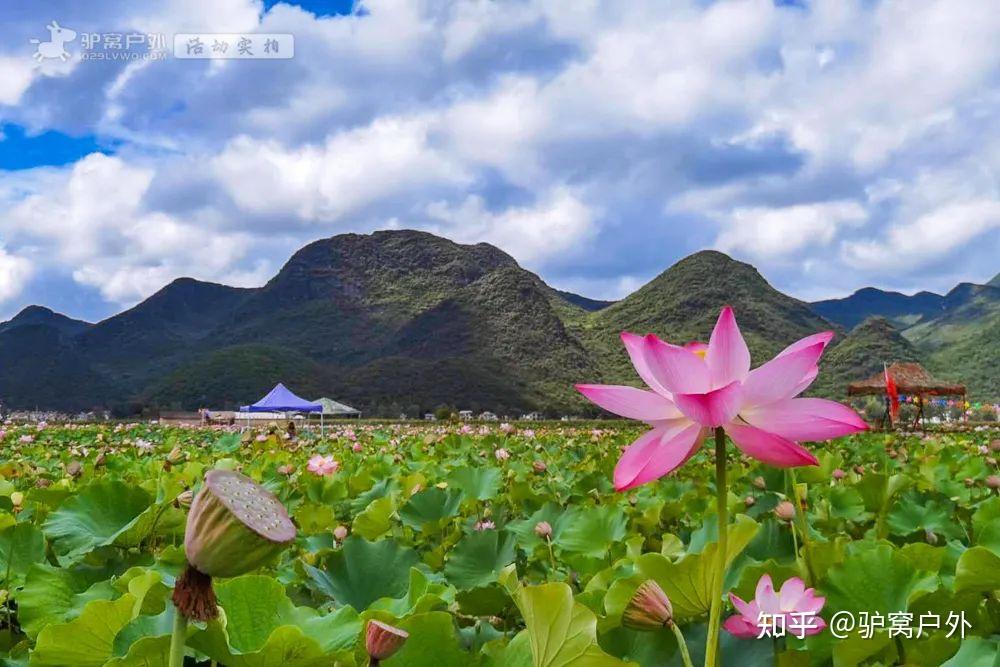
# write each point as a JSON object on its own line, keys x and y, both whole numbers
{"x": 406, "y": 321}
{"x": 901, "y": 309}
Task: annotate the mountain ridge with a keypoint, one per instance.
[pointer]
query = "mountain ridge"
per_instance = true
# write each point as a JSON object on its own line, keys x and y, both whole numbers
{"x": 404, "y": 321}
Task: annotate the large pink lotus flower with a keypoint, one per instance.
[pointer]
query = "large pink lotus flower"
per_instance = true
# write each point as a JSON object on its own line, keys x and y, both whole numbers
{"x": 323, "y": 465}
{"x": 794, "y": 610}
{"x": 699, "y": 387}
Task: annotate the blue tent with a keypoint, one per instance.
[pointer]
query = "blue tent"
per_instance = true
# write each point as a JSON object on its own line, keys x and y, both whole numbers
{"x": 280, "y": 399}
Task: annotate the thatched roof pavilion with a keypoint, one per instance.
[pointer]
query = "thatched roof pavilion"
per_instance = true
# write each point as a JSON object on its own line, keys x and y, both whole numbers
{"x": 910, "y": 378}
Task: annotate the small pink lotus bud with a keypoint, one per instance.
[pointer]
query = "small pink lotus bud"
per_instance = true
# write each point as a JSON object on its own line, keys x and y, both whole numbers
{"x": 382, "y": 641}
{"x": 930, "y": 536}
{"x": 839, "y": 474}
{"x": 993, "y": 481}
{"x": 785, "y": 511}
{"x": 760, "y": 483}
{"x": 983, "y": 449}
{"x": 184, "y": 498}
{"x": 539, "y": 466}
{"x": 543, "y": 529}
{"x": 286, "y": 469}
{"x": 649, "y": 608}
{"x": 356, "y": 447}
{"x": 860, "y": 470}
{"x": 340, "y": 532}
{"x": 749, "y": 501}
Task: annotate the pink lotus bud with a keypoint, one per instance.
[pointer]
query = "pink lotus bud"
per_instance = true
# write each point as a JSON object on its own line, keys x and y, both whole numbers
{"x": 983, "y": 449}
{"x": 286, "y": 469}
{"x": 543, "y": 529}
{"x": 749, "y": 501}
{"x": 785, "y": 511}
{"x": 184, "y": 498}
{"x": 340, "y": 532}
{"x": 993, "y": 481}
{"x": 839, "y": 474}
{"x": 930, "y": 536}
{"x": 539, "y": 466}
{"x": 860, "y": 470}
{"x": 356, "y": 447}
{"x": 382, "y": 641}
{"x": 649, "y": 608}
{"x": 760, "y": 483}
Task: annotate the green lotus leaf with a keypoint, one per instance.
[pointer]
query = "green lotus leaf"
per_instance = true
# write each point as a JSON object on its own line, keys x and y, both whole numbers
{"x": 376, "y": 519}
{"x": 260, "y": 627}
{"x": 427, "y": 507}
{"x": 479, "y": 557}
{"x": 433, "y": 642}
{"x": 560, "y": 631}
{"x": 978, "y": 569}
{"x": 422, "y": 595}
{"x": 914, "y": 513}
{"x": 976, "y": 652}
{"x": 21, "y": 545}
{"x": 591, "y": 531}
{"x": 476, "y": 483}
{"x": 875, "y": 578}
{"x": 95, "y": 517}
{"x": 361, "y": 571}
{"x": 54, "y": 595}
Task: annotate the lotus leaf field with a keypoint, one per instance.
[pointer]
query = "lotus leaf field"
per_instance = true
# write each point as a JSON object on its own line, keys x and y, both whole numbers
{"x": 492, "y": 546}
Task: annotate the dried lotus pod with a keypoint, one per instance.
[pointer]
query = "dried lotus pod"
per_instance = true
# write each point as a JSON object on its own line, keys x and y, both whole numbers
{"x": 234, "y": 526}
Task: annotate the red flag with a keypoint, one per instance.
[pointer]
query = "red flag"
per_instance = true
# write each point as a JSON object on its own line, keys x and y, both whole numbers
{"x": 892, "y": 392}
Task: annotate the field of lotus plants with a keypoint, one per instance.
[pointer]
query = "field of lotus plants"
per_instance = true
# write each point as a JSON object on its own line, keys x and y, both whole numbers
{"x": 507, "y": 547}
{"x": 456, "y": 545}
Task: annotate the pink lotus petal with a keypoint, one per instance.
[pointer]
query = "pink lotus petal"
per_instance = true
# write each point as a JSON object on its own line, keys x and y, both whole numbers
{"x": 780, "y": 377}
{"x": 791, "y": 593}
{"x": 714, "y": 408}
{"x": 676, "y": 369}
{"x": 635, "y": 345}
{"x": 647, "y": 406}
{"x": 805, "y": 419}
{"x": 728, "y": 358}
{"x": 767, "y": 600}
{"x": 738, "y": 626}
{"x": 823, "y": 337}
{"x": 810, "y": 602}
{"x": 657, "y": 453}
{"x": 747, "y": 609}
{"x": 806, "y": 380}
{"x": 768, "y": 447}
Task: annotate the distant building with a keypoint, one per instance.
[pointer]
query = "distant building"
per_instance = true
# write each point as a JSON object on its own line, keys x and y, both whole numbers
{"x": 465, "y": 415}
{"x": 488, "y": 416}
{"x": 429, "y": 416}
{"x": 534, "y": 416}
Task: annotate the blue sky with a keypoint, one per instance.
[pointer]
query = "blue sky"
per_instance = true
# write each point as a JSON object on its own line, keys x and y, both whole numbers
{"x": 833, "y": 144}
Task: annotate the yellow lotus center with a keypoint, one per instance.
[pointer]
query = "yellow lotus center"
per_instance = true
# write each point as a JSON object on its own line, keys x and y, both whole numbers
{"x": 701, "y": 353}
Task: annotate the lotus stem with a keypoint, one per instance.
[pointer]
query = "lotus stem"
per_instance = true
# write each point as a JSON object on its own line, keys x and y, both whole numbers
{"x": 802, "y": 522}
{"x": 721, "y": 496}
{"x": 178, "y": 639}
{"x": 682, "y": 645}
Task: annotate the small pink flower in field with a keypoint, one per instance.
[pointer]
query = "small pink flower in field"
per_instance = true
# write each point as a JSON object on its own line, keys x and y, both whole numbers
{"x": 983, "y": 449}
{"x": 41, "y": 425}
{"x": 484, "y": 524}
{"x": 3, "y": 434}
{"x": 323, "y": 465}
{"x": 356, "y": 447}
{"x": 261, "y": 438}
{"x": 797, "y": 606}
{"x": 506, "y": 428}
{"x": 528, "y": 433}
{"x": 25, "y": 439}
{"x": 144, "y": 446}
{"x": 340, "y": 533}
{"x": 695, "y": 389}
{"x": 465, "y": 430}
{"x": 350, "y": 434}
{"x": 501, "y": 454}
{"x": 839, "y": 474}
{"x": 484, "y": 430}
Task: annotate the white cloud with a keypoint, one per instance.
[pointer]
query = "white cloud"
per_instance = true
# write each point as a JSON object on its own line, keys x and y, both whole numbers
{"x": 779, "y": 232}
{"x": 552, "y": 226}
{"x": 14, "y": 274}
{"x": 15, "y": 77}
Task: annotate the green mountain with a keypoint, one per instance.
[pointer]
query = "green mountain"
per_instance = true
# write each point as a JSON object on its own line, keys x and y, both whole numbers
{"x": 404, "y": 321}
{"x": 683, "y": 303}
{"x": 860, "y": 355}
{"x": 901, "y": 309}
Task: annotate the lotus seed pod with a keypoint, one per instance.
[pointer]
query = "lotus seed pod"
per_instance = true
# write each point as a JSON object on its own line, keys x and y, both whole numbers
{"x": 785, "y": 511}
{"x": 382, "y": 641}
{"x": 649, "y": 608}
{"x": 234, "y": 526}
